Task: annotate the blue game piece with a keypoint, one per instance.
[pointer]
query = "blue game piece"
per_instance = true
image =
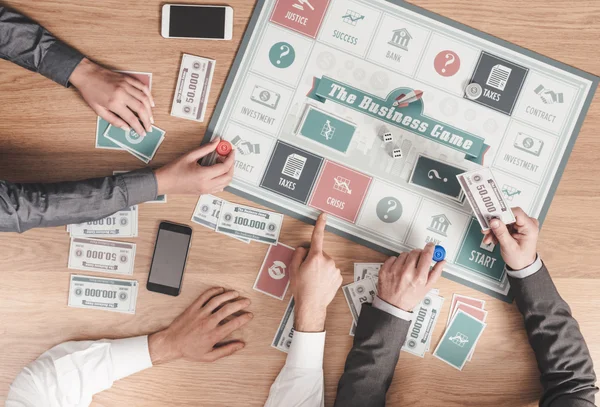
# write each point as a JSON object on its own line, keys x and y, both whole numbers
{"x": 439, "y": 253}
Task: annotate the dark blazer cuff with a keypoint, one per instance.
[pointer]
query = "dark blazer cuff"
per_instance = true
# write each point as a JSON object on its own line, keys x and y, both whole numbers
{"x": 373, "y": 320}
{"x": 141, "y": 186}
{"x": 59, "y": 63}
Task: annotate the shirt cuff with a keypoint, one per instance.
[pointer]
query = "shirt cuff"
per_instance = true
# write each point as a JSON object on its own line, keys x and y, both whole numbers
{"x": 390, "y": 309}
{"x": 141, "y": 186}
{"x": 59, "y": 63}
{"x": 527, "y": 271}
{"x": 129, "y": 356}
{"x": 306, "y": 350}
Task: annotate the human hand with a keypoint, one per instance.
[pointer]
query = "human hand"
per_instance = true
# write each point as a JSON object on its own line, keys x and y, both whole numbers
{"x": 186, "y": 176}
{"x": 518, "y": 241}
{"x": 314, "y": 280}
{"x": 196, "y": 333}
{"x": 404, "y": 280}
{"x": 115, "y": 97}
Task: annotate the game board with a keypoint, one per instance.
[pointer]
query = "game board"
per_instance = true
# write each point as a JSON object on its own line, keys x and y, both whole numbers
{"x": 311, "y": 95}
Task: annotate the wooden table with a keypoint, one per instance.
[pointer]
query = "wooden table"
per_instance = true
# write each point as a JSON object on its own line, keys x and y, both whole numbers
{"x": 47, "y": 134}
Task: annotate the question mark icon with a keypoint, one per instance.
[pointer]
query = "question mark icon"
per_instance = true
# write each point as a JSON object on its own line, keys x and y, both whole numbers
{"x": 282, "y": 55}
{"x": 286, "y": 51}
{"x": 389, "y": 209}
{"x": 433, "y": 173}
{"x": 450, "y": 60}
{"x": 447, "y": 63}
{"x": 393, "y": 205}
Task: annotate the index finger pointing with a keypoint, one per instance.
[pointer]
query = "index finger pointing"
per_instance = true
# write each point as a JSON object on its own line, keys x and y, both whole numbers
{"x": 316, "y": 242}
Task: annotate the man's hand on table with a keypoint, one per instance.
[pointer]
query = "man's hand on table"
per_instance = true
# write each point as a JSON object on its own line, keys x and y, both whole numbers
{"x": 196, "y": 334}
{"x": 119, "y": 99}
{"x": 314, "y": 281}
{"x": 404, "y": 280}
{"x": 186, "y": 176}
{"x": 518, "y": 241}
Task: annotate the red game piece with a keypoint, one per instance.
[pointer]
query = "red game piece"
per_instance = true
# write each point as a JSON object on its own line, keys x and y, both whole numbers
{"x": 224, "y": 148}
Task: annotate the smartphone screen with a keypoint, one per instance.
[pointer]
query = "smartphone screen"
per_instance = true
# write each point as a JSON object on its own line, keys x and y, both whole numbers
{"x": 170, "y": 255}
{"x": 197, "y": 22}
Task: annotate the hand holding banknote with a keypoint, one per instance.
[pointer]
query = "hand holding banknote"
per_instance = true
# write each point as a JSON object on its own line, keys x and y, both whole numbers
{"x": 518, "y": 241}
{"x": 186, "y": 176}
{"x": 198, "y": 332}
{"x": 314, "y": 281}
{"x": 404, "y": 280}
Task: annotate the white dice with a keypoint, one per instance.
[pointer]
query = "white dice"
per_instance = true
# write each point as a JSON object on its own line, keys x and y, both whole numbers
{"x": 397, "y": 153}
{"x": 387, "y": 137}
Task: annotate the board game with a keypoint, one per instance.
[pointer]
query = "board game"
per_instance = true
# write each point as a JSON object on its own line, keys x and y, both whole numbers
{"x": 367, "y": 110}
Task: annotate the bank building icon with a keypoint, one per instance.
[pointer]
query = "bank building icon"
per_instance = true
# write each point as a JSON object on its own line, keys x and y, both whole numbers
{"x": 439, "y": 224}
{"x": 401, "y": 38}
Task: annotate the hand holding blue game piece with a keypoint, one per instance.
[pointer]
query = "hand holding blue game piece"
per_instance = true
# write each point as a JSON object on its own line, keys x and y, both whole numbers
{"x": 439, "y": 253}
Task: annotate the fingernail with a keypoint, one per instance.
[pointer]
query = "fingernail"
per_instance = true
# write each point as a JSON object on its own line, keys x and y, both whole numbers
{"x": 324, "y": 216}
{"x": 125, "y": 128}
{"x": 236, "y": 294}
{"x": 495, "y": 223}
{"x": 430, "y": 244}
{"x": 251, "y": 315}
{"x": 151, "y": 119}
{"x": 153, "y": 105}
{"x": 143, "y": 134}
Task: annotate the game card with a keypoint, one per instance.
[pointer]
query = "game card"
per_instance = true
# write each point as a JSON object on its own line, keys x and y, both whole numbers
{"x": 474, "y": 302}
{"x": 438, "y": 177}
{"x": 273, "y": 278}
{"x": 475, "y": 312}
{"x": 459, "y": 339}
{"x": 144, "y": 147}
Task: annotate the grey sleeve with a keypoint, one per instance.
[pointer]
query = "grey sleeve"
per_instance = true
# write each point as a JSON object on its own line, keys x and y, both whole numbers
{"x": 28, "y": 44}
{"x": 26, "y": 206}
{"x": 371, "y": 363}
{"x": 563, "y": 358}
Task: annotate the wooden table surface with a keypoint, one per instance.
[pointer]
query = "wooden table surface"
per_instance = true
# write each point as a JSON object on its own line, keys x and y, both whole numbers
{"x": 47, "y": 134}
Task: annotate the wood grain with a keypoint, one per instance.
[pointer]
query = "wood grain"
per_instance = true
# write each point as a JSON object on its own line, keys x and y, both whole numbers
{"x": 47, "y": 134}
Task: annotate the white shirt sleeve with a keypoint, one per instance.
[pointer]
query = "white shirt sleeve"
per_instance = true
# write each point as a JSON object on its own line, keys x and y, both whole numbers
{"x": 71, "y": 373}
{"x": 527, "y": 271}
{"x": 300, "y": 382}
{"x": 392, "y": 310}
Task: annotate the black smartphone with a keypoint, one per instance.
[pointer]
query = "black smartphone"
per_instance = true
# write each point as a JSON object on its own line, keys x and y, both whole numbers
{"x": 169, "y": 258}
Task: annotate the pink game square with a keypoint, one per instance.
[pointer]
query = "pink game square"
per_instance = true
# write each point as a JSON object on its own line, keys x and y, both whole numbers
{"x": 303, "y": 16}
{"x": 340, "y": 191}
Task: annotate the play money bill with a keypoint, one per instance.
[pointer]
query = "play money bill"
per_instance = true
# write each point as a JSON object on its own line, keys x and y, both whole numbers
{"x": 120, "y": 224}
{"x": 207, "y": 213}
{"x": 421, "y": 328}
{"x": 485, "y": 197}
{"x": 359, "y": 293}
{"x": 364, "y": 270}
{"x": 193, "y": 87}
{"x": 101, "y": 255}
{"x": 250, "y": 223}
{"x": 110, "y": 294}
{"x": 285, "y": 333}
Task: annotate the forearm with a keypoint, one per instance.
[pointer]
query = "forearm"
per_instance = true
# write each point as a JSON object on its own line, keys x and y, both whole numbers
{"x": 564, "y": 361}
{"x": 300, "y": 382}
{"x": 26, "y": 43}
{"x": 25, "y": 206}
{"x": 371, "y": 363}
{"x": 71, "y": 373}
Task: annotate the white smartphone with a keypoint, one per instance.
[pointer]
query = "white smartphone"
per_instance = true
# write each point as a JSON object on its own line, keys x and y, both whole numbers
{"x": 197, "y": 22}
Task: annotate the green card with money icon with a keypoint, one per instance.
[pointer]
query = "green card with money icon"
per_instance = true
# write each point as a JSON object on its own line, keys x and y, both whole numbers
{"x": 460, "y": 337}
{"x": 142, "y": 147}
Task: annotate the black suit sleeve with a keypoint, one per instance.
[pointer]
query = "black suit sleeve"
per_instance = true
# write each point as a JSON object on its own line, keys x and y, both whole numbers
{"x": 563, "y": 358}
{"x": 372, "y": 360}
